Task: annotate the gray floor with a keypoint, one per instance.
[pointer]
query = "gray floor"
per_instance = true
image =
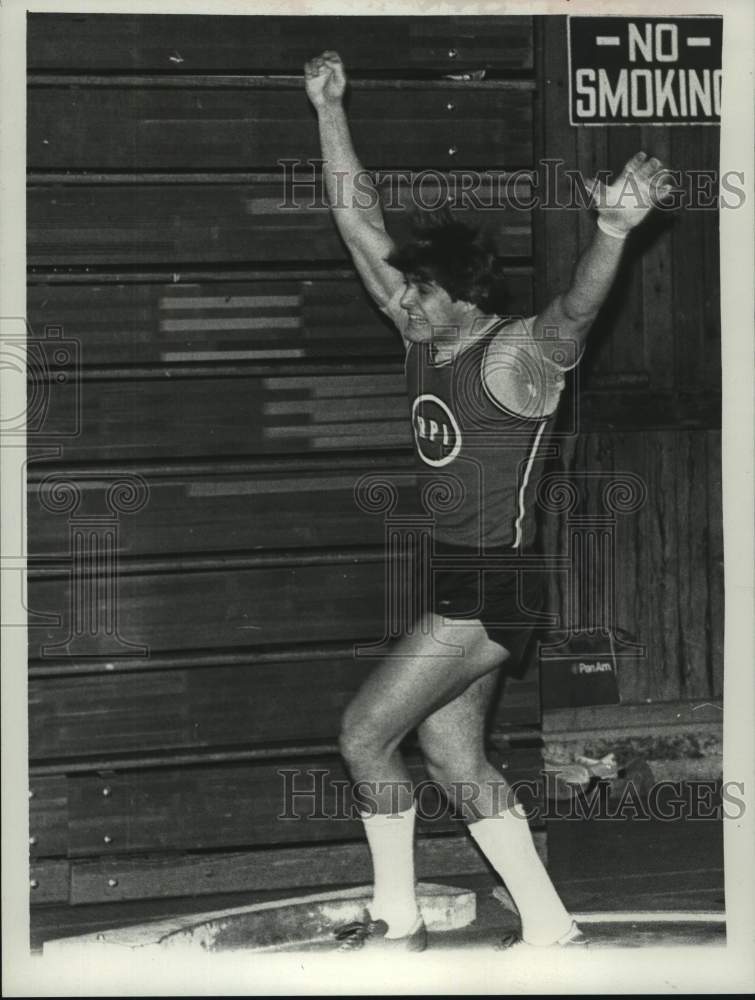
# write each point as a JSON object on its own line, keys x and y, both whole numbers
{"x": 598, "y": 866}
{"x": 625, "y": 866}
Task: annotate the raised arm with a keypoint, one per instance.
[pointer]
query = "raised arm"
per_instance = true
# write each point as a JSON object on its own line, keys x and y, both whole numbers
{"x": 353, "y": 199}
{"x": 621, "y": 206}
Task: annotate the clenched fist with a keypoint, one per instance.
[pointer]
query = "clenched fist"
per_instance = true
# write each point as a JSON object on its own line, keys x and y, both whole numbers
{"x": 325, "y": 79}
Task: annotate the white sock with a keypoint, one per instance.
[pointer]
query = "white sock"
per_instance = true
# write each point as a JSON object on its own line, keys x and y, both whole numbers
{"x": 507, "y": 843}
{"x": 391, "y": 840}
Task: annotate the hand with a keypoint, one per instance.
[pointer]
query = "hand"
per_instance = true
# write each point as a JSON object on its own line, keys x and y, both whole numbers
{"x": 643, "y": 183}
{"x": 325, "y": 80}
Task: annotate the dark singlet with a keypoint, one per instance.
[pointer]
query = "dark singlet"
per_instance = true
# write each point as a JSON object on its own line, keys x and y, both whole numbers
{"x": 485, "y": 457}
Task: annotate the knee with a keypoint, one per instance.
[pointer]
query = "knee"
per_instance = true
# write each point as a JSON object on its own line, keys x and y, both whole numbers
{"x": 349, "y": 737}
{"x": 360, "y": 740}
{"x": 451, "y": 774}
{"x": 448, "y": 765}
{"x": 461, "y": 779}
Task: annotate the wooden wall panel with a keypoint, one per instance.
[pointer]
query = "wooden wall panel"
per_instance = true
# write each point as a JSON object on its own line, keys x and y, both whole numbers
{"x": 228, "y": 806}
{"x": 658, "y": 319}
{"x": 213, "y": 512}
{"x": 667, "y": 597}
{"x": 696, "y": 274}
{"x": 167, "y": 417}
{"x": 231, "y": 360}
{"x": 316, "y": 317}
{"x": 714, "y": 533}
{"x": 180, "y": 809}
{"x": 172, "y": 883}
{"x": 154, "y": 124}
{"x": 112, "y": 892}
{"x": 184, "y": 224}
{"x": 660, "y": 326}
{"x": 557, "y": 243}
{"x": 152, "y": 146}
{"x": 198, "y": 708}
{"x": 184, "y": 809}
{"x": 344, "y": 863}
{"x": 656, "y": 344}
{"x": 244, "y": 409}
{"x": 195, "y": 708}
{"x": 49, "y": 882}
{"x": 48, "y": 816}
{"x": 618, "y": 338}
{"x": 215, "y": 321}
{"x": 227, "y": 608}
{"x": 224, "y": 607}
{"x": 243, "y": 44}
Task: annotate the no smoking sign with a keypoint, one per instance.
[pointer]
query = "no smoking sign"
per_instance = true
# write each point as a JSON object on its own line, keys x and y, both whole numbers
{"x": 645, "y": 70}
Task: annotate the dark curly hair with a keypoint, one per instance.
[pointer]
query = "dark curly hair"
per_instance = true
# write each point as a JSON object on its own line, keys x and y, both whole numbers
{"x": 455, "y": 256}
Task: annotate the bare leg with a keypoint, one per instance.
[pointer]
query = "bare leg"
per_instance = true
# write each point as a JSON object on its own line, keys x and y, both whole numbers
{"x": 452, "y": 740}
{"x": 453, "y": 744}
{"x": 400, "y": 694}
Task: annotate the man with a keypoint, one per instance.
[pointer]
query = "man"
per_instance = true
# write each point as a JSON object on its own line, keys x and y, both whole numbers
{"x": 483, "y": 393}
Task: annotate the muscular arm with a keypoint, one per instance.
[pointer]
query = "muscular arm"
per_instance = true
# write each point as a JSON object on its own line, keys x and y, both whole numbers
{"x": 570, "y": 315}
{"x": 621, "y": 206}
{"x": 353, "y": 200}
{"x": 527, "y": 377}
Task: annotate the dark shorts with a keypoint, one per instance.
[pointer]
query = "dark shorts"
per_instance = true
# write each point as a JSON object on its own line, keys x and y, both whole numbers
{"x": 509, "y": 603}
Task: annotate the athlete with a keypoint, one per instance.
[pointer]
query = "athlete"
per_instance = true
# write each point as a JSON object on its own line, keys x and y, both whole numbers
{"x": 483, "y": 393}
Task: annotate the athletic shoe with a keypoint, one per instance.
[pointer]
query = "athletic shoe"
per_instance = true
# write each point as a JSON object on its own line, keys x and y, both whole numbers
{"x": 573, "y": 937}
{"x": 367, "y": 933}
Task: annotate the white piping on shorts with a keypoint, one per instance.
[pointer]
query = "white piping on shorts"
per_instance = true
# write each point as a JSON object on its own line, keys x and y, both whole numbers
{"x": 523, "y": 487}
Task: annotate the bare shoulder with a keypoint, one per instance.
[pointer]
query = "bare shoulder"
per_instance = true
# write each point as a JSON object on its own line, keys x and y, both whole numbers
{"x": 517, "y": 375}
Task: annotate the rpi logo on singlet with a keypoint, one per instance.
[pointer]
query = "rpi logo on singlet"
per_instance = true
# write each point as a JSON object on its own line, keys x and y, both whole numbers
{"x": 436, "y": 432}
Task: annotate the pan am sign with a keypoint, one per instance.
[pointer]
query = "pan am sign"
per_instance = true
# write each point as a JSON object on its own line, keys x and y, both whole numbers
{"x": 645, "y": 70}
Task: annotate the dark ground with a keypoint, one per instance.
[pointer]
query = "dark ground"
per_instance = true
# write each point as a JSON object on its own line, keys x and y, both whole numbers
{"x": 597, "y": 865}
{"x": 625, "y": 865}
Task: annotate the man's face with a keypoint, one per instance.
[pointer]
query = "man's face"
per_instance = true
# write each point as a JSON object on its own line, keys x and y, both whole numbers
{"x": 432, "y": 312}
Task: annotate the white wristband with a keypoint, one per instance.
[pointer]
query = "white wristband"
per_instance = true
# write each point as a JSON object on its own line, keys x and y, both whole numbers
{"x": 609, "y": 230}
